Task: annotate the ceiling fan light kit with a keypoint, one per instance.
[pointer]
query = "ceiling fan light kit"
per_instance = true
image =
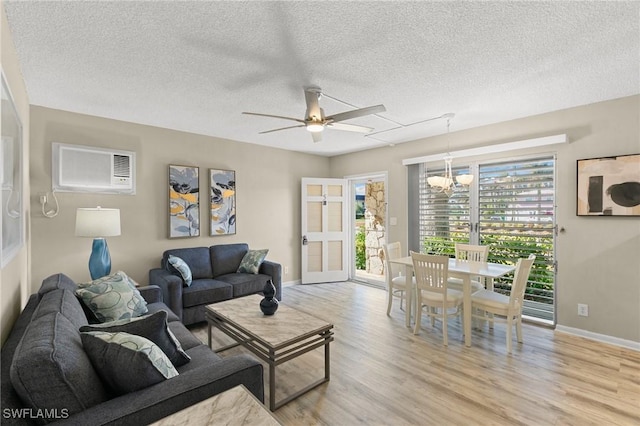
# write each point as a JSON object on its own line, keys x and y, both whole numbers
{"x": 315, "y": 121}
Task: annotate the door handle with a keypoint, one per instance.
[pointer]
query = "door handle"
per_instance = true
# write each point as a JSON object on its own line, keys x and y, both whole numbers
{"x": 304, "y": 240}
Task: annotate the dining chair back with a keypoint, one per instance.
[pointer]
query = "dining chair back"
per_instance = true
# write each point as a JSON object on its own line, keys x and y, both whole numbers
{"x": 470, "y": 253}
{"x": 396, "y": 282}
{"x": 431, "y": 273}
{"x": 485, "y": 302}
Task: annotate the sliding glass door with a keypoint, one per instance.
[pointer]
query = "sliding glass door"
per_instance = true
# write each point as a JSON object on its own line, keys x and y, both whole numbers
{"x": 510, "y": 206}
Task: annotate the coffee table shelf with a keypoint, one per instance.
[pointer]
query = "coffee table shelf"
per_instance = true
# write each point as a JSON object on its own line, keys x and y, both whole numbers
{"x": 274, "y": 339}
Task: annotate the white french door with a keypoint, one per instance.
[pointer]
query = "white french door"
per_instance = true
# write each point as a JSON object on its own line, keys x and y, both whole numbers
{"x": 324, "y": 245}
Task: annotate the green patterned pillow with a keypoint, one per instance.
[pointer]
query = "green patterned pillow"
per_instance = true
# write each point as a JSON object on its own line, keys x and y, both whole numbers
{"x": 252, "y": 260}
{"x": 113, "y": 297}
{"x": 182, "y": 268}
{"x": 126, "y": 362}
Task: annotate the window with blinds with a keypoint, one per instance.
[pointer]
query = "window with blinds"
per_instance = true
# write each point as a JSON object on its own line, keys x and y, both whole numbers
{"x": 510, "y": 207}
{"x": 516, "y": 202}
{"x": 443, "y": 220}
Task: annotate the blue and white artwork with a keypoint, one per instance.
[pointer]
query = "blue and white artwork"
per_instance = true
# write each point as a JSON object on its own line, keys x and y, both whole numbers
{"x": 222, "y": 201}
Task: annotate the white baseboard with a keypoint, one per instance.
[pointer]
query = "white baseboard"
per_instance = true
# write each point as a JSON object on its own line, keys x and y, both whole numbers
{"x": 629, "y": 344}
{"x": 288, "y": 283}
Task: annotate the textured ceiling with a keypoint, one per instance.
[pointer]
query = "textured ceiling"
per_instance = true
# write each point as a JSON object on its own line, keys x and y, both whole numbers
{"x": 196, "y": 66}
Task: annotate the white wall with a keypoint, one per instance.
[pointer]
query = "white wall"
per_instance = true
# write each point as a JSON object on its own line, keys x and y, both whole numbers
{"x": 599, "y": 257}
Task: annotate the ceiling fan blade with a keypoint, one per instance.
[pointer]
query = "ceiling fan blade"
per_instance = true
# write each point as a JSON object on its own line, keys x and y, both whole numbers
{"x": 347, "y": 115}
{"x": 274, "y": 116}
{"x": 281, "y": 128}
{"x": 317, "y": 136}
{"x": 350, "y": 127}
{"x": 311, "y": 96}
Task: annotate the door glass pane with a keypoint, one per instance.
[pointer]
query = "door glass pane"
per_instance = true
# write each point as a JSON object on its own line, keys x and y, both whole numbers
{"x": 335, "y": 255}
{"x": 314, "y": 190}
{"x": 444, "y": 220}
{"x": 516, "y": 209}
{"x": 334, "y": 190}
{"x": 314, "y": 216}
{"x": 335, "y": 216}
{"x": 314, "y": 256}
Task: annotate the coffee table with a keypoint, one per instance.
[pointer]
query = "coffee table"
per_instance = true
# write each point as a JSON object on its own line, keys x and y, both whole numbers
{"x": 274, "y": 339}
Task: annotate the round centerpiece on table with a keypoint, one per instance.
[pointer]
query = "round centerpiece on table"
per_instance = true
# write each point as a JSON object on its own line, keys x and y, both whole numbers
{"x": 269, "y": 305}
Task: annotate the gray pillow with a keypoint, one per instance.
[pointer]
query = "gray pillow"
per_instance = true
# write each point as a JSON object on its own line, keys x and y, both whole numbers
{"x": 126, "y": 362}
{"x": 251, "y": 261}
{"x": 113, "y": 297}
{"x": 153, "y": 327}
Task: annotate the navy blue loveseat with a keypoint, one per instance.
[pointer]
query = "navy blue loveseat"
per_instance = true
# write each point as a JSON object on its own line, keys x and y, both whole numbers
{"x": 215, "y": 278}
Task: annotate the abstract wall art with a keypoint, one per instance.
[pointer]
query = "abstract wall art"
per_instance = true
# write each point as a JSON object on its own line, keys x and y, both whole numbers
{"x": 184, "y": 202}
{"x": 609, "y": 186}
{"x": 222, "y": 201}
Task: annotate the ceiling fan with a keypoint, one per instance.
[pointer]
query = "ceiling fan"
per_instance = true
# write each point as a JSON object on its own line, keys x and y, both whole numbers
{"x": 315, "y": 121}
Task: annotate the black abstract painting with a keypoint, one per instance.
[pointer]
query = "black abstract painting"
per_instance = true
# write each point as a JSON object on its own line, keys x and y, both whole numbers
{"x": 609, "y": 186}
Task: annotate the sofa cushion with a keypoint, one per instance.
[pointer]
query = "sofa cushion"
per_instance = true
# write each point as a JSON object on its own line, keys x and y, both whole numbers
{"x": 186, "y": 338}
{"x": 113, "y": 297}
{"x": 55, "y": 282}
{"x": 127, "y": 362}
{"x": 64, "y": 302}
{"x": 51, "y": 370}
{"x": 153, "y": 327}
{"x": 196, "y": 257}
{"x": 251, "y": 261}
{"x": 226, "y": 258}
{"x": 202, "y": 357}
{"x": 160, "y": 306}
{"x": 183, "y": 269}
{"x": 244, "y": 284}
{"x": 205, "y": 291}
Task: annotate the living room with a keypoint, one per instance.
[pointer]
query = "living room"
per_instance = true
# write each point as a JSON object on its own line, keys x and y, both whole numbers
{"x": 597, "y": 257}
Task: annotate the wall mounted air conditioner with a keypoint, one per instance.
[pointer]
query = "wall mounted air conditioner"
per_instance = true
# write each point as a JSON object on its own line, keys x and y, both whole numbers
{"x": 78, "y": 168}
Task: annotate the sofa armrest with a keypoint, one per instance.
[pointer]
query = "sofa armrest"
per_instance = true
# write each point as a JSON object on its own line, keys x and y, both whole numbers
{"x": 171, "y": 286}
{"x": 275, "y": 270}
{"x": 163, "y": 399}
{"x": 151, "y": 293}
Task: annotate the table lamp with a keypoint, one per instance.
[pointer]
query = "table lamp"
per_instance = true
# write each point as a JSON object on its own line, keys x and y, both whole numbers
{"x": 98, "y": 223}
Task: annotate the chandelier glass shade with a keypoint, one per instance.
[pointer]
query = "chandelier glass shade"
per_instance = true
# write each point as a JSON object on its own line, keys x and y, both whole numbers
{"x": 447, "y": 183}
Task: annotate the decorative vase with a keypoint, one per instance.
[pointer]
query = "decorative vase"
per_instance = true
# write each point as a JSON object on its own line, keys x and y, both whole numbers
{"x": 269, "y": 305}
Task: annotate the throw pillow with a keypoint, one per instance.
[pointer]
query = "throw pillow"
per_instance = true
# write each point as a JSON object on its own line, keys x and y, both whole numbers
{"x": 153, "y": 327}
{"x": 113, "y": 297}
{"x": 126, "y": 362}
{"x": 182, "y": 268}
{"x": 251, "y": 261}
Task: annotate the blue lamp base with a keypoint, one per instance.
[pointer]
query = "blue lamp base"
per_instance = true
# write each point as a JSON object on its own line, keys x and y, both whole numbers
{"x": 100, "y": 260}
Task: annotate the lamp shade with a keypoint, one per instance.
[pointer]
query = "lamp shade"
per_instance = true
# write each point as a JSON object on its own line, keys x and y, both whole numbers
{"x": 97, "y": 222}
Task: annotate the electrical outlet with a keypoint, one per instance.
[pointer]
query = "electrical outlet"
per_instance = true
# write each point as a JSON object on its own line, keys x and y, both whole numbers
{"x": 286, "y": 270}
{"x": 583, "y": 310}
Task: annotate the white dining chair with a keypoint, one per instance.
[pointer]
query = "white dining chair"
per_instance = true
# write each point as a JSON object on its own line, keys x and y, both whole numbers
{"x": 469, "y": 253}
{"x": 396, "y": 282}
{"x": 432, "y": 293}
{"x": 489, "y": 302}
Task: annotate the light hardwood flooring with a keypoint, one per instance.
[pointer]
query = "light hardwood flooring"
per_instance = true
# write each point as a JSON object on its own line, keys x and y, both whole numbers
{"x": 381, "y": 374}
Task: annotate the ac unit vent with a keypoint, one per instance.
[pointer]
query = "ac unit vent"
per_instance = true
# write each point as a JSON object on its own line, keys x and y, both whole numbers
{"x": 78, "y": 168}
{"x": 121, "y": 165}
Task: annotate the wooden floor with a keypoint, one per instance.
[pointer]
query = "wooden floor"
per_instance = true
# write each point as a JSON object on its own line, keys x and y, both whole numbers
{"x": 381, "y": 374}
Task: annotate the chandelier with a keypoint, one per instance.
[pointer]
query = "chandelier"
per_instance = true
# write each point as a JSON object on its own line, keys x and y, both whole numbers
{"x": 447, "y": 183}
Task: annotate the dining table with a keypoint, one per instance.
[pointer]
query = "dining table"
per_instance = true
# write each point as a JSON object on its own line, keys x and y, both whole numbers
{"x": 460, "y": 269}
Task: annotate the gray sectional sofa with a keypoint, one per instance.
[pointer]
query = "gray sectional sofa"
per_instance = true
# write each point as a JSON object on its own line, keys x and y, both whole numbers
{"x": 64, "y": 386}
{"x": 215, "y": 278}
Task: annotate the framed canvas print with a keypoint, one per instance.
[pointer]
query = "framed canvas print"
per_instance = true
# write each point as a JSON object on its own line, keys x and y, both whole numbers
{"x": 184, "y": 202}
{"x": 12, "y": 217}
{"x": 222, "y": 206}
{"x": 609, "y": 186}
